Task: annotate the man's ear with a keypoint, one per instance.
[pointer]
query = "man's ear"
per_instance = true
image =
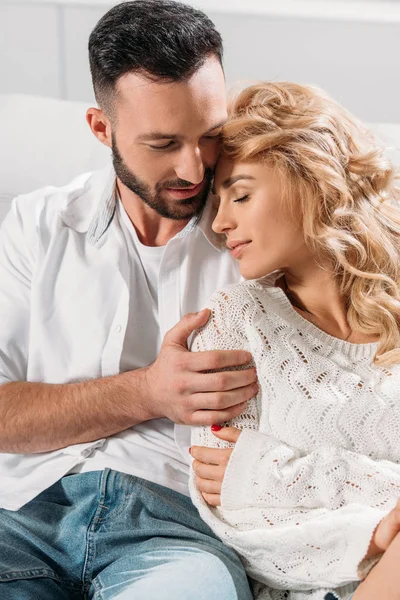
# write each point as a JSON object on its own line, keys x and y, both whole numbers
{"x": 100, "y": 125}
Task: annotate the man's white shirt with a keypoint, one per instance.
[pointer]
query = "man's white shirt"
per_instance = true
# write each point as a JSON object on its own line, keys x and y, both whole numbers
{"x": 76, "y": 303}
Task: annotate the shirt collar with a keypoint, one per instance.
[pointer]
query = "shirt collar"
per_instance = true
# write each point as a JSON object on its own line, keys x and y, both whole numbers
{"x": 84, "y": 214}
{"x": 204, "y": 223}
{"x": 105, "y": 212}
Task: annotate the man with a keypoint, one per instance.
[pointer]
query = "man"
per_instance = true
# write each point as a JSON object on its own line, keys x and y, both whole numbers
{"x": 97, "y": 386}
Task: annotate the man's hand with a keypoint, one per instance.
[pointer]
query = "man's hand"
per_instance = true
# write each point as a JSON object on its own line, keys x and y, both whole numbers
{"x": 210, "y": 465}
{"x": 179, "y": 388}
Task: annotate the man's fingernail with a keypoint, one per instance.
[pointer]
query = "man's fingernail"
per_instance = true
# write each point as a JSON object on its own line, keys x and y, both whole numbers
{"x": 216, "y": 427}
{"x": 190, "y": 450}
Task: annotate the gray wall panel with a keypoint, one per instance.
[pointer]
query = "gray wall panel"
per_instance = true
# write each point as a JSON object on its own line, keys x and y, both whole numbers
{"x": 29, "y": 49}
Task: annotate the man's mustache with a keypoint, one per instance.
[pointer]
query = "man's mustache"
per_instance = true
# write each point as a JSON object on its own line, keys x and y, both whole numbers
{"x": 183, "y": 184}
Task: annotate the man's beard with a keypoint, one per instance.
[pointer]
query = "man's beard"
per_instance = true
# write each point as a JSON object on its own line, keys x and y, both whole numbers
{"x": 178, "y": 209}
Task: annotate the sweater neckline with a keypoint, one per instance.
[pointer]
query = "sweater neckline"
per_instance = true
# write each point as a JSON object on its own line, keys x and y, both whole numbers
{"x": 350, "y": 349}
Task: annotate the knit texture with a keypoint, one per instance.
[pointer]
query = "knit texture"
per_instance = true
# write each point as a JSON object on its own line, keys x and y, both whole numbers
{"x": 316, "y": 466}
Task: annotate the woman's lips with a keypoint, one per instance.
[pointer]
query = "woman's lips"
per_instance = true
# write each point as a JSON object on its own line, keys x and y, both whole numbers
{"x": 184, "y": 193}
{"x": 238, "y": 249}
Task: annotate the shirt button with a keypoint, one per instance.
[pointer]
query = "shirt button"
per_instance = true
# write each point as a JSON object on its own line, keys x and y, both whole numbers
{"x": 118, "y": 328}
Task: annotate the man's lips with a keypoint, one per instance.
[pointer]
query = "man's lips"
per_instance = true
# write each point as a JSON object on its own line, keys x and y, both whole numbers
{"x": 188, "y": 192}
{"x": 237, "y": 247}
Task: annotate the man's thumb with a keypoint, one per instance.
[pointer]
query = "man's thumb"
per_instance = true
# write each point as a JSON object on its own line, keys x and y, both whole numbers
{"x": 190, "y": 322}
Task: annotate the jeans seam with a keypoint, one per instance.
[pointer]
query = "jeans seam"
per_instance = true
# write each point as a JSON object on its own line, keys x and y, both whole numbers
{"x": 29, "y": 573}
{"x": 121, "y": 508}
{"x": 90, "y": 549}
{"x": 98, "y": 594}
{"x": 38, "y": 573}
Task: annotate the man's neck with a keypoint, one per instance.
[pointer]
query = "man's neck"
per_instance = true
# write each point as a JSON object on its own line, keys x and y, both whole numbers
{"x": 151, "y": 228}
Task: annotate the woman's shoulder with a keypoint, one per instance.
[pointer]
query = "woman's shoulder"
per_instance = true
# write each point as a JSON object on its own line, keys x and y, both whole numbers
{"x": 263, "y": 285}
{"x": 237, "y": 294}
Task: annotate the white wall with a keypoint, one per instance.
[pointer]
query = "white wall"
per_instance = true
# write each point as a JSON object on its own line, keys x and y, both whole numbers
{"x": 351, "y": 48}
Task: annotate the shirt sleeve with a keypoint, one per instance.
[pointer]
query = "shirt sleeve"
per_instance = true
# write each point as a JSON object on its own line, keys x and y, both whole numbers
{"x": 299, "y": 522}
{"x": 16, "y": 267}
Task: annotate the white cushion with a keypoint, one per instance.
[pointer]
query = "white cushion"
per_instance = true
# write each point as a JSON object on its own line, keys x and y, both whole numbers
{"x": 388, "y": 135}
{"x": 44, "y": 141}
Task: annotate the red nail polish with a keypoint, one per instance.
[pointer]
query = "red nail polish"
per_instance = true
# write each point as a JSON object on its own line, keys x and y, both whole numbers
{"x": 190, "y": 450}
{"x": 216, "y": 427}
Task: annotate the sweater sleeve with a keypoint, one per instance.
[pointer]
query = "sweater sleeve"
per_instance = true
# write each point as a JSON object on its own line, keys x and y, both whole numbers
{"x": 331, "y": 493}
{"x": 264, "y": 472}
{"x": 219, "y": 334}
{"x": 299, "y": 546}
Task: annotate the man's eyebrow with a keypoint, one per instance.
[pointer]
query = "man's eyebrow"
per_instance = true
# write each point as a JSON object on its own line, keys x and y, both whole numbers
{"x": 155, "y": 135}
{"x": 231, "y": 180}
{"x": 158, "y": 135}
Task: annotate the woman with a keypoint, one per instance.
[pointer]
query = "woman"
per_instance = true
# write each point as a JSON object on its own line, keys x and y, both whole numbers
{"x": 304, "y": 483}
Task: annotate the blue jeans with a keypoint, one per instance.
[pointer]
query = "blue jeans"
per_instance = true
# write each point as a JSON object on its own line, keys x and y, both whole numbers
{"x": 103, "y": 535}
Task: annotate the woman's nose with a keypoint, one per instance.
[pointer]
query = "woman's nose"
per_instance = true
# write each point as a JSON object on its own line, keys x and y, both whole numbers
{"x": 223, "y": 221}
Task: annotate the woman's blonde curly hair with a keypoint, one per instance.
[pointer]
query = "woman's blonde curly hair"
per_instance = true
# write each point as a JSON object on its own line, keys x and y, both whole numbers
{"x": 346, "y": 189}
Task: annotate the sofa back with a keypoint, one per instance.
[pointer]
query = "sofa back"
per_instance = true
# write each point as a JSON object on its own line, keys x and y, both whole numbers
{"x": 43, "y": 141}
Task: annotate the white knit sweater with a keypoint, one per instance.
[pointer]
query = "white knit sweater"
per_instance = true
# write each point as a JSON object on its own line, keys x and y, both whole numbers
{"x": 317, "y": 464}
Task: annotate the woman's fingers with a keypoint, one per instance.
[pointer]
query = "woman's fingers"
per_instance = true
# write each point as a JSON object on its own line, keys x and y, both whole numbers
{"x": 212, "y": 499}
{"x": 209, "y": 465}
{"x": 214, "y": 472}
{"x": 228, "y": 434}
{"x": 388, "y": 528}
{"x": 208, "y": 486}
{"x": 211, "y": 456}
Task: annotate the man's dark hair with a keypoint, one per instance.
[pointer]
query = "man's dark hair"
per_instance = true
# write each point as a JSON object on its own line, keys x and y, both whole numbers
{"x": 162, "y": 39}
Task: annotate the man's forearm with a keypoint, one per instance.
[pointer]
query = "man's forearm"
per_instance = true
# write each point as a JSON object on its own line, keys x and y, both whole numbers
{"x": 39, "y": 417}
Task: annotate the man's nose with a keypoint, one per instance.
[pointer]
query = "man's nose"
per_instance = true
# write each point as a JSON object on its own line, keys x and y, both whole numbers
{"x": 191, "y": 166}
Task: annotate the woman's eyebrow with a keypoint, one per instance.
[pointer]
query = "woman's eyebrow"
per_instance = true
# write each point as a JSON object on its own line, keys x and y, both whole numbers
{"x": 217, "y": 126}
{"x": 231, "y": 180}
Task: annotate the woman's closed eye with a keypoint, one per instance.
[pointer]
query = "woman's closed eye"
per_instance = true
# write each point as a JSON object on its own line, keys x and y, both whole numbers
{"x": 242, "y": 198}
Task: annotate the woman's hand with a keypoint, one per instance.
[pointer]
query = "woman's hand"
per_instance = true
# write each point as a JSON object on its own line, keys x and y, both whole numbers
{"x": 210, "y": 464}
{"x": 385, "y": 532}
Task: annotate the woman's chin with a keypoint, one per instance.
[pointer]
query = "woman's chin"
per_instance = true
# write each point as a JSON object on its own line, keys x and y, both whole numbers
{"x": 251, "y": 273}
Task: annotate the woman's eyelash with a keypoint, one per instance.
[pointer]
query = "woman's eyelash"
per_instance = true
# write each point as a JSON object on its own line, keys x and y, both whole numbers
{"x": 242, "y": 198}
